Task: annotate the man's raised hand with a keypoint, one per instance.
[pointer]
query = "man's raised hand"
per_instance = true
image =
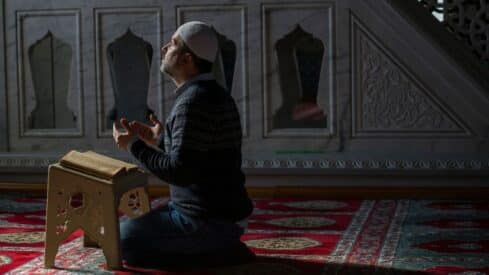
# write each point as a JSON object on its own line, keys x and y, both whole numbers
{"x": 122, "y": 138}
{"x": 149, "y": 134}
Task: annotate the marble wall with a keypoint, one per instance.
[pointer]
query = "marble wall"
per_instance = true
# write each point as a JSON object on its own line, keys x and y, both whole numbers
{"x": 323, "y": 86}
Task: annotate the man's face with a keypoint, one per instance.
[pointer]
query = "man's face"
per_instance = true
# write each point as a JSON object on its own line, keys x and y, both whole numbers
{"x": 171, "y": 54}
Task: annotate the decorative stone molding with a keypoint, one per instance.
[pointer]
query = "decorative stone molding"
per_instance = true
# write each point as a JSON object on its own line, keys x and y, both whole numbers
{"x": 370, "y": 164}
{"x": 34, "y": 162}
{"x": 25, "y": 162}
{"x": 337, "y": 164}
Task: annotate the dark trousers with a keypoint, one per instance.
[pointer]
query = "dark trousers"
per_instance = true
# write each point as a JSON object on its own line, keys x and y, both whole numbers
{"x": 164, "y": 237}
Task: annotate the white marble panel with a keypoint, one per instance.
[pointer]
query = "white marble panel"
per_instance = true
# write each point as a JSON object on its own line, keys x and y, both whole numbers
{"x": 31, "y": 27}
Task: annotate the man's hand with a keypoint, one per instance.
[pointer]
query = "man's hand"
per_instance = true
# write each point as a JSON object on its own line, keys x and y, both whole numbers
{"x": 149, "y": 134}
{"x": 122, "y": 138}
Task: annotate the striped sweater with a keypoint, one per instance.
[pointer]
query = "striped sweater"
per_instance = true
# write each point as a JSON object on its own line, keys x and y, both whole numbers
{"x": 200, "y": 154}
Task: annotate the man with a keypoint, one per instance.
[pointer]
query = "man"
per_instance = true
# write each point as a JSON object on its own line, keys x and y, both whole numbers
{"x": 200, "y": 158}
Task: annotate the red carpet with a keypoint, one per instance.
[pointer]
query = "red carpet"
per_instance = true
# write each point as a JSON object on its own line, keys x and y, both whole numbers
{"x": 292, "y": 236}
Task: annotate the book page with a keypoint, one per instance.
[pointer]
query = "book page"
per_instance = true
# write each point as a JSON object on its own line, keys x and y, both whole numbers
{"x": 112, "y": 161}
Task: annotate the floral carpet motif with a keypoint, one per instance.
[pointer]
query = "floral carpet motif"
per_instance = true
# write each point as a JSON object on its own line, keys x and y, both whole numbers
{"x": 292, "y": 236}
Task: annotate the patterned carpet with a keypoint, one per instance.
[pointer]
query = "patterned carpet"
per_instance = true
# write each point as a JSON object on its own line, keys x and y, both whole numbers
{"x": 292, "y": 236}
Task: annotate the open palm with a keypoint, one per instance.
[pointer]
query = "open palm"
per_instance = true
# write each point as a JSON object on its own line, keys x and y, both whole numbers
{"x": 149, "y": 134}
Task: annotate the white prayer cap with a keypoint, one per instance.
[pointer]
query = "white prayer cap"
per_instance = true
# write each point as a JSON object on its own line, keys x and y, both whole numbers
{"x": 200, "y": 38}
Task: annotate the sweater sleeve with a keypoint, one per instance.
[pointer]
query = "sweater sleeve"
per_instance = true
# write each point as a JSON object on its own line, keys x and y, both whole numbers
{"x": 161, "y": 142}
{"x": 182, "y": 165}
{"x": 161, "y": 164}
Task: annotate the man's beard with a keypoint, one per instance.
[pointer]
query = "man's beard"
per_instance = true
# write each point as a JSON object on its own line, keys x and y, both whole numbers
{"x": 164, "y": 68}
{"x": 167, "y": 68}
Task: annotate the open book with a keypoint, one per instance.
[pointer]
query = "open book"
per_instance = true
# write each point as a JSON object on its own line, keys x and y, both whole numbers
{"x": 96, "y": 165}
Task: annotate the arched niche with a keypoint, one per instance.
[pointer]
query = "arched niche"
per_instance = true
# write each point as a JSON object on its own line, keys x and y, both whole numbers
{"x": 129, "y": 58}
{"x": 299, "y": 56}
{"x": 225, "y": 61}
{"x": 50, "y": 63}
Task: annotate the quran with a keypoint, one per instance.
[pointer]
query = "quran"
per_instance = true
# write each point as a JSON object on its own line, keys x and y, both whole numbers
{"x": 97, "y": 165}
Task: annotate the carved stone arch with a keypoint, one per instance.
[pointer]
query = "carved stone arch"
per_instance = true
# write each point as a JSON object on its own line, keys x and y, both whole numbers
{"x": 225, "y": 61}
{"x": 299, "y": 56}
{"x": 129, "y": 58}
{"x": 50, "y": 61}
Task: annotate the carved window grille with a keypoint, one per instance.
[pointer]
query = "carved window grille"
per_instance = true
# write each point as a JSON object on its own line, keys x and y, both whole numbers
{"x": 467, "y": 19}
{"x": 129, "y": 58}
{"x": 50, "y": 62}
{"x": 300, "y": 57}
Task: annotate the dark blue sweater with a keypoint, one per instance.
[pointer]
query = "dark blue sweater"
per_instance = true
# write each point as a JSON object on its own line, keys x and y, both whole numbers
{"x": 201, "y": 154}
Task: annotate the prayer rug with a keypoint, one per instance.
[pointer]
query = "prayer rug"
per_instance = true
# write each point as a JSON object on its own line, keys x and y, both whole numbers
{"x": 292, "y": 236}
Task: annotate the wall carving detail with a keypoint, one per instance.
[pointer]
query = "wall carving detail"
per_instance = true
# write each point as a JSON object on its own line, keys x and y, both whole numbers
{"x": 468, "y": 20}
{"x": 390, "y": 99}
{"x": 369, "y": 164}
{"x": 379, "y": 164}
